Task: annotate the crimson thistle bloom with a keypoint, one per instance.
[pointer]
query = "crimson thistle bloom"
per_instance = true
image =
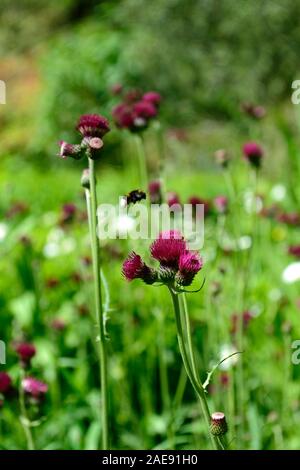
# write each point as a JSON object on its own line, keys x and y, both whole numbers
{"x": 152, "y": 97}
{"x": 253, "y": 152}
{"x": 135, "y": 268}
{"x": 221, "y": 204}
{"x": 25, "y": 351}
{"x": 295, "y": 250}
{"x": 155, "y": 194}
{"x": 5, "y": 383}
{"x": 34, "y": 388}
{"x": 178, "y": 267}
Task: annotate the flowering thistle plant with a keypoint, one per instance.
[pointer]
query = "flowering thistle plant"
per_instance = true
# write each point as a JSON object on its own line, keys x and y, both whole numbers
{"x": 178, "y": 265}
{"x": 136, "y": 112}
{"x": 92, "y": 128}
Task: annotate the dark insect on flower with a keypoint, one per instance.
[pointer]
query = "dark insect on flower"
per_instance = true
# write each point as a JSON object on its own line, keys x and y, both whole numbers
{"x": 253, "y": 153}
{"x": 137, "y": 195}
{"x": 5, "y": 383}
{"x": 218, "y": 424}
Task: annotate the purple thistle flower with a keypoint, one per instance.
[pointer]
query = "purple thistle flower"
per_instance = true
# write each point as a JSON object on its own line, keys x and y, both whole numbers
{"x": 190, "y": 264}
{"x": 154, "y": 189}
{"x": 34, "y": 387}
{"x": 144, "y": 109}
{"x": 5, "y": 383}
{"x": 173, "y": 201}
{"x": 135, "y": 268}
{"x": 93, "y": 125}
{"x": 221, "y": 204}
{"x": 295, "y": 250}
{"x": 152, "y": 97}
{"x": 168, "y": 247}
{"x": 69, "y": 150}
{"x": 253, "y": 152}
{"x": 25, "y": 351}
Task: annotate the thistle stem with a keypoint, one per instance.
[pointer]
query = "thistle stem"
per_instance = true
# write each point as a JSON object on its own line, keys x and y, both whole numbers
{"x": 92, "y": 213}
{"x": 189, "y": 364}
{"x": 142, "y": 162}
{"x": 24, "y": 416}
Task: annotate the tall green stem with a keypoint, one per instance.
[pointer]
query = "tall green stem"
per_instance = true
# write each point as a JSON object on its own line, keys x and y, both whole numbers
{"x": 142, "y": 162}
{"x": 189, "y": 364}
{"x": 92, "y": 213}
{"x": 24, "y": 416}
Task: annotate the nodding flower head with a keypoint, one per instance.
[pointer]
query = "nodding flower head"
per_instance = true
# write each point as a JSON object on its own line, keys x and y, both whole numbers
{"x": 25, "y": 351}
{"x": 190, "y": 264}
{"x": 253, "y": 152}
{"x": 70, "y": 150}
{"x": 168, "y": 247}
{"x": 123, "y": 116}
{"x": 34, "y": 388}
{"x": 218, "y": 424}
{"x": 135, "y": 268}
{"x": 152, "y": 97}
{"x": 92, "y": 125}
{"x": 5, "y": 383}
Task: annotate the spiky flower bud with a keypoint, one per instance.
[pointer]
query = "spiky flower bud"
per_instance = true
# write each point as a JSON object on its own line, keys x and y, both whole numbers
{"x": 218, "y": 424}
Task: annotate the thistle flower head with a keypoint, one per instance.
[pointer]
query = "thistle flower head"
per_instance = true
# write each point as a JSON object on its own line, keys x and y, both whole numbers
{"x": 144, "y": 109}
{"x": 190, "y": 264}
{"x": 5, "y": 383}
{"x": 173, "y": 201}
{"x": 135, "y": 268}
{"x": 168, "y": 247}
{"x": 25, "y": 351}
{"x": 254, "y": 111}
{"x": 69, "y": 150}
{"x": 92, "y": 125}
{"x": 221, "y": 204}
{"x": 154, "y": 189}
{"x": 33, "y": 387}
{"x": 152, "y": 97}
{"x": 253, "y": 152}
{"x": 218, "y": 424}
{"x": 295, "y": 250}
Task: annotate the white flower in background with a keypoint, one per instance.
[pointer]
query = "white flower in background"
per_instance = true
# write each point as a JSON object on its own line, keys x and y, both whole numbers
{"x": 58, "y": 243}
{"x": 252, "y": 202}
{"x": 291, "y": 273}
{"x": 244, "y": 242}
{"x": 278, "y": 192}
{"x": 3, "y": 230}
{"x": 225, "y": 351}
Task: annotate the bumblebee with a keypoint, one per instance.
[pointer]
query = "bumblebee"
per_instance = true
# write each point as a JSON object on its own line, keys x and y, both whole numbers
{"x": 134, "y": 196}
